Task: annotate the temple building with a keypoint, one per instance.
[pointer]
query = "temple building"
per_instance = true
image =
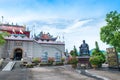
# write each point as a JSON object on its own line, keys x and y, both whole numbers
{"x": 19, "y": 44}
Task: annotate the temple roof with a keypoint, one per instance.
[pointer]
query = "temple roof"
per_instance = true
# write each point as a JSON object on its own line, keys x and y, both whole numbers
{"x": 42, "y": 36}
{"x": 18, "y": 37}
{"x": 12, "y": 27}
{"x": 51, "y": 42}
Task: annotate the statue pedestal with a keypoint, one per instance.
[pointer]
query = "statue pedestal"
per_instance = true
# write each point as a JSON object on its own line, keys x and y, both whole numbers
{"x": 83, "y": 60}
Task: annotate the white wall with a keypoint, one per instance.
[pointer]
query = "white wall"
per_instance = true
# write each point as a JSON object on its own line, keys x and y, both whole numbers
{"x": 32, "y": 49}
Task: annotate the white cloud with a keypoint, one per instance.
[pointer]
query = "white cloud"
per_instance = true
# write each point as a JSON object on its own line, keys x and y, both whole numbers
{"x": 76, "y": 25}
{"x": 76, "y": 32}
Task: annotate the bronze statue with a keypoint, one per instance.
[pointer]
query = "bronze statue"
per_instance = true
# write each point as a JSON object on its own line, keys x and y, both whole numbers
{"x": 84, "y": 49}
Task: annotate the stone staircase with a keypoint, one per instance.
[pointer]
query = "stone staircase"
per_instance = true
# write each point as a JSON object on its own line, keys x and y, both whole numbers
{"x": 9, "y": 66}
{"x": 17, "y": 65}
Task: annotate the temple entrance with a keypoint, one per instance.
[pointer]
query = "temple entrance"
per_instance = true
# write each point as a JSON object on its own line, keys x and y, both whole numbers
{"x": 18, "y": 54}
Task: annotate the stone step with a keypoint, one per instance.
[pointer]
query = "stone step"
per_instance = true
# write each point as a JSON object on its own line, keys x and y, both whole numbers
{"x": 9, "y": 66}
{"x": 17, "y": 65}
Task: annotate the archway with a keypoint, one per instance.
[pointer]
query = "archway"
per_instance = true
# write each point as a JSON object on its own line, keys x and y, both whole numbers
{"x": 18, "y": 54}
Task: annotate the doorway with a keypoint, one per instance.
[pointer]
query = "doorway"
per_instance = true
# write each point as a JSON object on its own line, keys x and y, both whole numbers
{"x": 18, "y": 54}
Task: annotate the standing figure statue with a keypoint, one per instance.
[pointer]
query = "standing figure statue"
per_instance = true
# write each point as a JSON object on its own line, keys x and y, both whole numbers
{"x": 84, "y": 49}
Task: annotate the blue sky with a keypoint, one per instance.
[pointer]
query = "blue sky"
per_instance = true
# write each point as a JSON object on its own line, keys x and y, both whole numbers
{"x": 76, "y": 20}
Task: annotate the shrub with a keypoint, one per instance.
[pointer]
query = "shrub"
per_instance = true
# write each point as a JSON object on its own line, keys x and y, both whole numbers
{"x": 72, "y": 60}
{"x": 97, "y": 57}
{"x": 51, "y": 60}
{"x": 62, "y": 59}
{"x": 95, "y": 60}
{"x": 29, "y": 65}
{"x": 58, "y": 63}
{"x": 36, "y": 60}
{"x": 45, "y": 64}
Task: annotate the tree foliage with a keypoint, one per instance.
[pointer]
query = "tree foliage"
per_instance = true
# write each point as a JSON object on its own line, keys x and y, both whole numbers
{"x": 74, "y": 52}
{"x": 110, "y": 33}
{"x": 97, "y": 57}
{"x": 98, "y": 52}
{"x": 2, "y": 40}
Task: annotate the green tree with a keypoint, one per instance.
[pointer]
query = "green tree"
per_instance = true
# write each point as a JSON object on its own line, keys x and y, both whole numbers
{"x": 110, "y": 33}
{"x": 97, "y": 52}
{"x": 97, "y": 57}
{"x": 2, "y": 40}
{"x": 74, "y": 52}
{"x": 97, "y": 47}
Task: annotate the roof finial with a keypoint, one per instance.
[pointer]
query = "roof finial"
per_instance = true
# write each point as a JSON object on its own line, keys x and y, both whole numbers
{"x": 2, "y": 19}
{"x": 12, "y": 23}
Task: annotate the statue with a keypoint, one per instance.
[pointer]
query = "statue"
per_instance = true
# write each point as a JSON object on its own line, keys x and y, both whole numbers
{"x": 84, "y": 49}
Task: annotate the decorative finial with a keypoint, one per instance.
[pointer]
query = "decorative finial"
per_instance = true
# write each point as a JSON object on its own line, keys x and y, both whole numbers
{"x": 2, "y": 19}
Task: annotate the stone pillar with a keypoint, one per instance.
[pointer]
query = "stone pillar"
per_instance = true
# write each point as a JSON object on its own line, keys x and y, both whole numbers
{"x": 112, "y": 58}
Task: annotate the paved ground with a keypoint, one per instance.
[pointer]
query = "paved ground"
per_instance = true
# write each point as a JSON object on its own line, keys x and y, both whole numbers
{"x": 57, "y": 73}
{"x": 43, "y": 73}
{"x": 14, "y": 75}
{"x": 108, "y": 74}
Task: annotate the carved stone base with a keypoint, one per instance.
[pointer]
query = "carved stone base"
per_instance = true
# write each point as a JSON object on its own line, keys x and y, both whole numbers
{"x": 84, "y": 60}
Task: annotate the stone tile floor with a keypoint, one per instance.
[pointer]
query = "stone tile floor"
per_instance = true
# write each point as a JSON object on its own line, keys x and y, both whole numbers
{"x": 57, "y": 73}
{"x": 19, "y": 74}
{"x": 110, "y": 74}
